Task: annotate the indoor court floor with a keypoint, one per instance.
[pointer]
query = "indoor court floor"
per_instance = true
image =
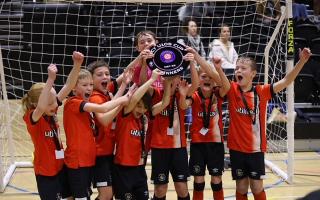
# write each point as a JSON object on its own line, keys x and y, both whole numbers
{"x": 306, "y": 179}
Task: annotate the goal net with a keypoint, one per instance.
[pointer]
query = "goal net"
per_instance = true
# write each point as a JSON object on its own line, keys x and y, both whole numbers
{"x": 34, "y": 34}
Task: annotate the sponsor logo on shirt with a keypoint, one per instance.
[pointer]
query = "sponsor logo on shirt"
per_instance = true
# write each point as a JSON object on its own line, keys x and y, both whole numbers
{"x": 212, "y": 114}
{"x": 136, "y": 133}
{"x": 244, "y": 111}
{"x": 50, "y": 133}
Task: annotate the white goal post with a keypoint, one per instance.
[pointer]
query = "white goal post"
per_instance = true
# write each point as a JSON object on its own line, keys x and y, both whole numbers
{"x": 34, "y": 34}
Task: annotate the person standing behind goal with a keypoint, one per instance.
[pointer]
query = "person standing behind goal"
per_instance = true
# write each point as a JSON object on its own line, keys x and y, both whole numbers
{"x": 247, "y": 130}
{"x": 40, "y": 105}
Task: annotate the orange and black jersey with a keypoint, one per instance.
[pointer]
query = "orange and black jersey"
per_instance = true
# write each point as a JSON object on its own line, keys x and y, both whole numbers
{"x": 247, "y": 128}
{"x": 79, "y": 129}
{"x": 105, "y": 138}
{"x": 130, "y": 140}
{"x": 202, "y": 119}
{"x": 45, "y": 137}
{"x": 171, "y": 117}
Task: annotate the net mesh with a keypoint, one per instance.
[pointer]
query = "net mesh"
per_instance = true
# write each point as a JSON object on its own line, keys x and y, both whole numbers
{"x": 33, "y": 35}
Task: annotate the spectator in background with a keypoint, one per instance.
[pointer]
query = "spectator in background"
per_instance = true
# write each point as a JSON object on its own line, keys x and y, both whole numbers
{"x": 274, "y": 10}
{"x": 224, "y": 48}
{"x": 299, "y": 11}
{"x": 192, "y": 37}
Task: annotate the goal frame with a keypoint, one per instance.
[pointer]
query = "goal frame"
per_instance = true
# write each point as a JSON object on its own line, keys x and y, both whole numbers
{"x": 286, "y": 176}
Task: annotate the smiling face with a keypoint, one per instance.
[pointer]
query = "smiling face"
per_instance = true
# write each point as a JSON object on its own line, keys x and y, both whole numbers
{"x": 245, "y": 72}
{"x": 192, "y": 28}
{"x": 101, "y": 77}
{"x": 145, "y": 40}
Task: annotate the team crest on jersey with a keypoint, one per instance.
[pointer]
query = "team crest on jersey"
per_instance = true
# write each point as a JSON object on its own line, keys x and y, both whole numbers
{"x": 136, "y": 133}
{"x": 161, "y": 177}
{"x": 196, "y": 169}
{"x": 128, "y": 196}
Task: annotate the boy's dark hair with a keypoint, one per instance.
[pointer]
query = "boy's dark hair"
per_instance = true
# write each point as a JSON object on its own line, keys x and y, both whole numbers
{"x": 141, "y": 33}
{"x": 98, "y": 63}
{"x": 147, "y": 101}
{"x": 253, "y": 63}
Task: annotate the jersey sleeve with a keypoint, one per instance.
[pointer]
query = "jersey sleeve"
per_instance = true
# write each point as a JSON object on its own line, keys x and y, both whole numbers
{"x": 265, "y": 91}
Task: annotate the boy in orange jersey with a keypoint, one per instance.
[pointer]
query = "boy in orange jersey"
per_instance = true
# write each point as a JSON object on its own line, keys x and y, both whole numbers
{"x": 40, "y": 105}
{"x": 247, "y": 130}
{"x": 80, "y": 129}
{"x": 168, "y": 140}
{"x": 206, "y": 148}
{"x": 103, "y": 91}
{"x": 130, "y": 179}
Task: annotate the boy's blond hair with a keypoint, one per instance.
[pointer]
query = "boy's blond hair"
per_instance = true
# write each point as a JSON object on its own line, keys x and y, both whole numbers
{"x": 84, "y": 74}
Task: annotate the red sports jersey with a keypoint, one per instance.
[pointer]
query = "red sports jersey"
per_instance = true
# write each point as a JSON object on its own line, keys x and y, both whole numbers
{"x": 247, "y": 132}
{"x": 215, "y": 129}
{"x": 112, "y": 87}
{"x": 81, "y": 147}
{"x": 128, "y": 140}
{"x": 136, "y": 77}
{"x": 105, "y": 138}
{"x": 160, "y": 137}
{"x": 43, "y": 138}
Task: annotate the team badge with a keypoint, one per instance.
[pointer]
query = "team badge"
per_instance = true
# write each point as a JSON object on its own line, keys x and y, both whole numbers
{"x": 196, "y": 169}
{"x": 161, "y": 177}
{"x": 128, "y": 196}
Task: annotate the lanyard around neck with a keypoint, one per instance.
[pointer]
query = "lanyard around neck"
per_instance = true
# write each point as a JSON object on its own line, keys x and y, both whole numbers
{"x": 141, "y": 126}
{"x": 206, "y": 114}
{"x": 253, "y": 115}
{"x": 55, "y": 129}
{"x": 171, "y": 111}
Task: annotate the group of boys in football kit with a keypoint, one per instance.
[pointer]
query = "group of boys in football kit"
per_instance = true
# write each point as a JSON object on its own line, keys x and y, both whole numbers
{"x": 112, "y": 125}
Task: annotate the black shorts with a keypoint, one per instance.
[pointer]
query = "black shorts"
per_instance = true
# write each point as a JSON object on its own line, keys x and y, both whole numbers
{"x": 80, "y": 181}
{"x": 210, "y": 155}
{"x": 130, "y": 182}
{"x": 102, "y": 171}
{"x": 173, "y": 160}
{"x": 247, "y": 165}
{"x": 53, "y": 187}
